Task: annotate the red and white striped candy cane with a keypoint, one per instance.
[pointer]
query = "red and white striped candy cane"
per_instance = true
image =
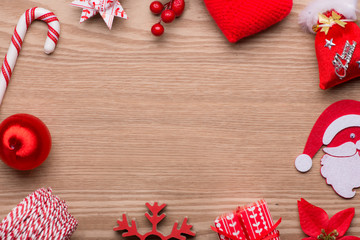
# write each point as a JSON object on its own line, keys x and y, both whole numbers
{"x": 17, "y": 39}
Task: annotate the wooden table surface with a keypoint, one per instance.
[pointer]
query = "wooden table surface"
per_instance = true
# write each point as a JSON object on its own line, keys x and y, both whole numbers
{"x": 187, "y": 119}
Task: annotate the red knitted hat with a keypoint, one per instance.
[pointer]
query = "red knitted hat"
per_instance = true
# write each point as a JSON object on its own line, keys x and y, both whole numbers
{"x": 239, "y": 19}
{"x": 337, "y": 117}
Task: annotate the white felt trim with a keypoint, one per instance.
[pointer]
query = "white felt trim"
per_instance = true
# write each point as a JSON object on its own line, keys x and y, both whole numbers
{"x": 303, "y": 163}
{"x": 351, "y": 120}
{"x": 347, "y": 149}
{"x": 342, "y": 173}
{"x": 309, "y": 16}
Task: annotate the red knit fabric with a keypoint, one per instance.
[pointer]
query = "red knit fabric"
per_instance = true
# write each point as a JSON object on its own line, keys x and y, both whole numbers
{"x": 241, "y": 18}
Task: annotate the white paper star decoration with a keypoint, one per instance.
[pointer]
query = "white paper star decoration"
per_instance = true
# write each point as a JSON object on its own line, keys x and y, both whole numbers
{"x": 108, "y": 9}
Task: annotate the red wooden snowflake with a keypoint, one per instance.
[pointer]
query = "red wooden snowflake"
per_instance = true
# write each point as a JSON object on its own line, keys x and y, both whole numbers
{"x": 155, "y": 219}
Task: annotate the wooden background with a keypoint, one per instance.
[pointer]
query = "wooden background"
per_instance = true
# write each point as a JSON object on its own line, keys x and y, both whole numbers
{"x": 187, "y": 119}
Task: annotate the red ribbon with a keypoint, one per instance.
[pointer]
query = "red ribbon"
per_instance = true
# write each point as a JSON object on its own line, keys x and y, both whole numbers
{"x": 263, "y": 236}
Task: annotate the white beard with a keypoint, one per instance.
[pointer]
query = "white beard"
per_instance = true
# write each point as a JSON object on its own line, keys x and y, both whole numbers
{"x": 342, "y": 173}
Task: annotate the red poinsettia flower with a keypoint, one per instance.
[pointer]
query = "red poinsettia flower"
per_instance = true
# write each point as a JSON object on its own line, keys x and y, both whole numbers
{"x": 315, "y": 222}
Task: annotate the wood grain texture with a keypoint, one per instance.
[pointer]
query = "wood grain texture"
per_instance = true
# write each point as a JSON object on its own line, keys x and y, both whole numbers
{"x": 187, "y": 119}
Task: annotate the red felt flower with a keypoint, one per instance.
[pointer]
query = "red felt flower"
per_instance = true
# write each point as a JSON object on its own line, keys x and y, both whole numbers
{"x": 315, "y": 222}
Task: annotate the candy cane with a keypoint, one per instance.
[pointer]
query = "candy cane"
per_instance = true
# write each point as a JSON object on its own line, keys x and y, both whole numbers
{"x": 17, "y": 39}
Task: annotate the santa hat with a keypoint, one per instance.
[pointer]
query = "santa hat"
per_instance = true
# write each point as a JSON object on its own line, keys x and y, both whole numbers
{"x": 337, "y": 117}
{"x": 310, "y": 15}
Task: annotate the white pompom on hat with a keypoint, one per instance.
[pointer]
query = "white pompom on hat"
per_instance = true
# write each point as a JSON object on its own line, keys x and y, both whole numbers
{"x": 303, "y": 163}
{"x": 337, "y": 117}
{"x": 310, "y": 15}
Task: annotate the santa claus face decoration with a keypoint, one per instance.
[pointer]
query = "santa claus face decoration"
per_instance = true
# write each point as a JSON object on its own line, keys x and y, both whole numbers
{"x": 338, "y": 128}
{"x": 341, "y": 163}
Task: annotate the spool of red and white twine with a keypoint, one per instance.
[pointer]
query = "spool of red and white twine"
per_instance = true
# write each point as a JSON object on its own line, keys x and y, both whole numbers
{"x": 17, "y": 39}
{"x": 39, "y": 216}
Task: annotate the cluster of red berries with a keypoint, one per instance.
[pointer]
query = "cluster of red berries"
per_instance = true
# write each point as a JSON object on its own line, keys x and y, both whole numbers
{"x": 168, "y": 12}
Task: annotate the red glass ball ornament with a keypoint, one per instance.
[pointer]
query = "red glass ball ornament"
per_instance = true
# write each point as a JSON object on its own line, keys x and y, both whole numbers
{"x": 157, "y": 29}
{"x": 25, "y": 141}
{"x": 178, "y": 7}
{"x": 156, "y": 7}
{"x": 168, "y": 16}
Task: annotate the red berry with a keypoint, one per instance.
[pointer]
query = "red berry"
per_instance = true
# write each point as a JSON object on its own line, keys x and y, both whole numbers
{"x": 157, "y": 29}
{"x": 178, "y": 7}
{"x": 168, "y": 16}
{"x": 156, "y": 7}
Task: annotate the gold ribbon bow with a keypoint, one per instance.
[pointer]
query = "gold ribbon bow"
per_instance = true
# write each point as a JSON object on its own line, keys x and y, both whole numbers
{"x": 327, "y": 22}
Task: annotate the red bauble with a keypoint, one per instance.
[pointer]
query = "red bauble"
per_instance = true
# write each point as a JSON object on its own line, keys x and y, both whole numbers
{"x": 178, "y": 7}
{"x": 156, "y": 7}
{"x": 25, "y": 141}
{"x": 157, "y": 29}
{"x": 168, "y": 16}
